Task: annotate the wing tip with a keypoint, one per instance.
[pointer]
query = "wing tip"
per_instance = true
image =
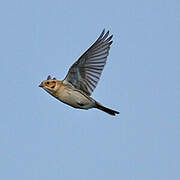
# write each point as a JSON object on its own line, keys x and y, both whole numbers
{"x": 104, "y": 36}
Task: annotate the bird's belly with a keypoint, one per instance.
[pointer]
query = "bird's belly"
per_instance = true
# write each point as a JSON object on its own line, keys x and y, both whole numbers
{"x": 76, "y": 99}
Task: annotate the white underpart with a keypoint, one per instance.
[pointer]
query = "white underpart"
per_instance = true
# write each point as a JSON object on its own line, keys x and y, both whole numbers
{"x": 75, "y": 98}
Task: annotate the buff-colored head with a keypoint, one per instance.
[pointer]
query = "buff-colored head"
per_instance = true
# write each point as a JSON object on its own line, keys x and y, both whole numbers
{"x": 50, "y": 85}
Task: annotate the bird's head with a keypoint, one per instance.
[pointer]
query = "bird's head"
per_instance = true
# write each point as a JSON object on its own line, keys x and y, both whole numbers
{"x": 50, "y": 85}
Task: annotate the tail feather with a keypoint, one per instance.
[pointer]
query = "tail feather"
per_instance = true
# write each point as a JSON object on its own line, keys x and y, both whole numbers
{"x": 105, "y": 109}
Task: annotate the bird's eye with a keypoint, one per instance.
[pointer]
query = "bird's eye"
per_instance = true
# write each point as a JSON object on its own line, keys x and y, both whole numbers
{"x": 47, "y": 83}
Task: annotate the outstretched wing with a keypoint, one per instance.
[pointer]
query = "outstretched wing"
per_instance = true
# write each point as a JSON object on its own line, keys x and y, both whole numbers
{"x": 84, "y": 74}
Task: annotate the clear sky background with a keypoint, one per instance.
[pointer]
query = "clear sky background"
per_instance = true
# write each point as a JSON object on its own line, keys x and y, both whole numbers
{"x": 41, "y": 138}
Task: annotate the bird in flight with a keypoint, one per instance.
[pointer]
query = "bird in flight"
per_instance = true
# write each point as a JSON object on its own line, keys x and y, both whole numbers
{"x": 82, "y": 77}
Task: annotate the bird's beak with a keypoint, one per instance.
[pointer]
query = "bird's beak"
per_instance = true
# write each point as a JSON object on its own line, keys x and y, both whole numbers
{"x": 41, "y": 85}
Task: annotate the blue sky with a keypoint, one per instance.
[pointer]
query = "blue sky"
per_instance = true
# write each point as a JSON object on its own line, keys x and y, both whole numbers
{"x": 41, "y": 138}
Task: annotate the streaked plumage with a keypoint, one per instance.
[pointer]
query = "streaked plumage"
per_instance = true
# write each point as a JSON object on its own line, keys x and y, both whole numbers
{"x": 82, "y": 77}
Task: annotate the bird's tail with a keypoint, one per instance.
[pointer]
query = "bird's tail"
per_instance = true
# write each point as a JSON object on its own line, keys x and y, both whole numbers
{"x": 105, "y": 109}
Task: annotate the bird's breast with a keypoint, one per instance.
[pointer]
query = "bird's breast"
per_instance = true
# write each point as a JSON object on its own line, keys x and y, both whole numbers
{"x": 75, "y": 98}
